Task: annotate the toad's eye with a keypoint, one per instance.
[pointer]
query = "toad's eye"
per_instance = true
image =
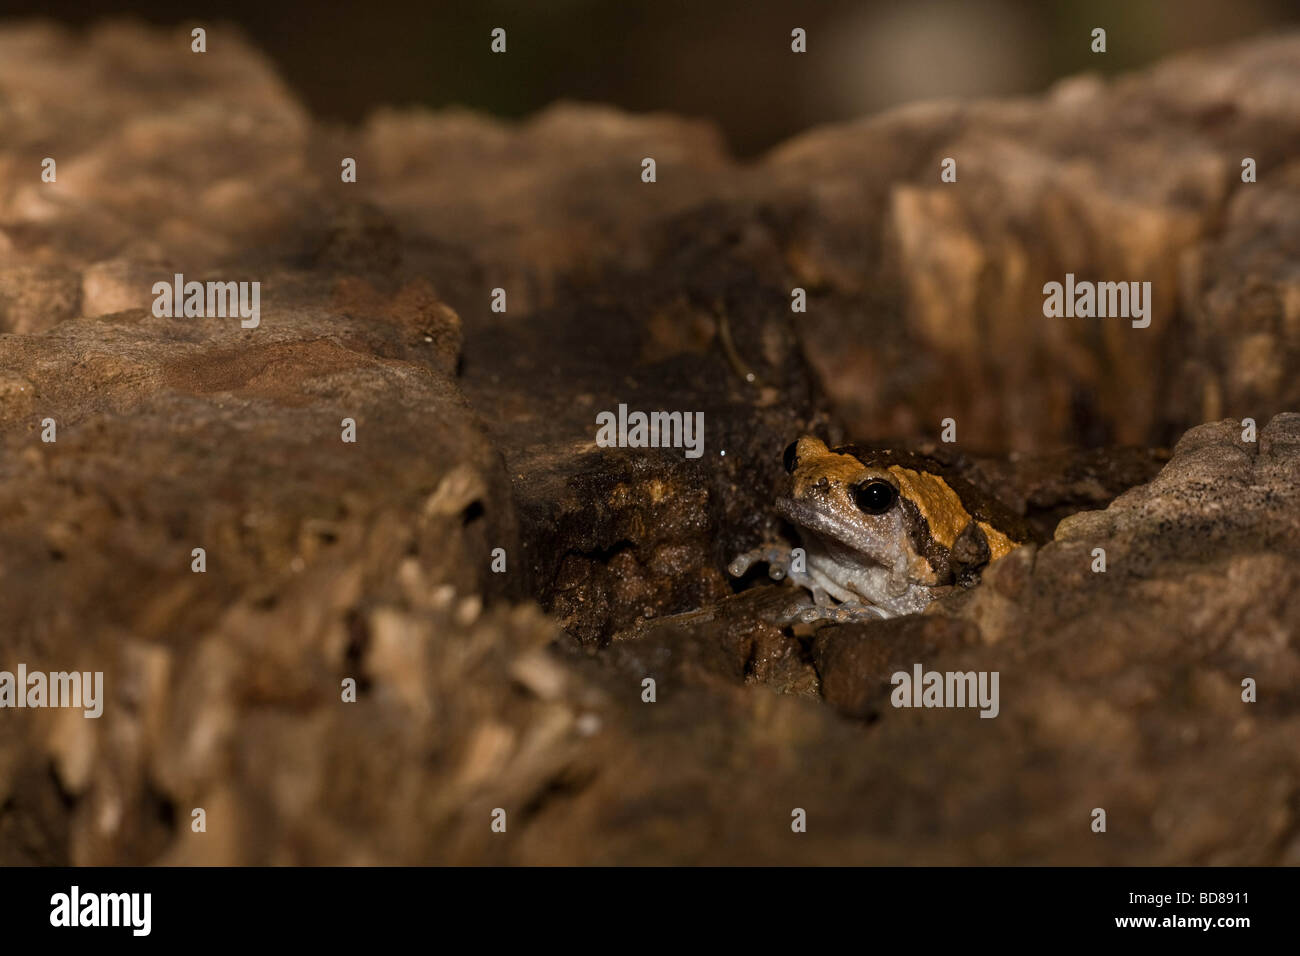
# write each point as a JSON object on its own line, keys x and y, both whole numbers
{"x": 875, "y": 497}
{"x": 791, "y": 457}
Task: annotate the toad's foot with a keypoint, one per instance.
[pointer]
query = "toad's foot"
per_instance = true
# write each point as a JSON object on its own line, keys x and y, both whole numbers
{"x": 823, "y": 608}
{"x": 849, "y": 612}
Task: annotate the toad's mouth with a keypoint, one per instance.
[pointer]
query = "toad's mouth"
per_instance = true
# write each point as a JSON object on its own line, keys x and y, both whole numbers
{"x": 832, "y": 529}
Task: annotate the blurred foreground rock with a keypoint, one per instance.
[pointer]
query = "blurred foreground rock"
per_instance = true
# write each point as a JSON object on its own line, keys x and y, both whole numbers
{"x": 475, "y": 431}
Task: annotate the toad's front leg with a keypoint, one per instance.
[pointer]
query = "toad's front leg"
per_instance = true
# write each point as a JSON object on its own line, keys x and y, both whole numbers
{"x": 781, "y": 566}
{"x": 778, "y": 559}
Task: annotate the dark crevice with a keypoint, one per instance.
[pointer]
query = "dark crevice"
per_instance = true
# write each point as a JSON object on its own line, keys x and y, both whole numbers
{"x": 355, "y": 652}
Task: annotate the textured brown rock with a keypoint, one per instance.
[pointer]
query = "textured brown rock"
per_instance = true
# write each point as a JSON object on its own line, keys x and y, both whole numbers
{"x": 524, "y": 690}
{"x": 1243, "y": 282}
{"x": 856, "y": 662}
{"x": 930, "y": 294}
{"x": 498, "y": 189}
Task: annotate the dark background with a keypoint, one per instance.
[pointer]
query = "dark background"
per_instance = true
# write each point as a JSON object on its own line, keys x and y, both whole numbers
{"x": 711, "y": 58}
